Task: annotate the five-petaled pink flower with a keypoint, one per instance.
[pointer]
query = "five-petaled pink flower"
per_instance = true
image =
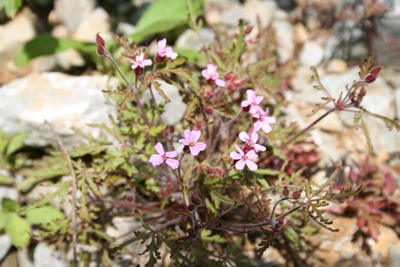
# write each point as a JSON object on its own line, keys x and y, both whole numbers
{"x": 243, "y": 159}
{"x": 191, "y": 138}
{"x": 252, "y": 101}
{"x": 211, "y": 74}
{"x": 262, "y": 121}
{"x": 251, "y": 142}
{"x": 164, "y": 51}
{"x": 140, "y": 61}
{"x": 164, "y": 157}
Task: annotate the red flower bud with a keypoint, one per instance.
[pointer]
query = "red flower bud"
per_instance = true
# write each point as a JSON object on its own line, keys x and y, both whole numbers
{"x": 100, "y": 45}
{"x": 285, "y": 191}
{"x": 129, "y": 198}
{"x": 231, "y": 87}
{"x": 228, "y": 76}
{"x": 248, "y": 29}
{"x": 246, "y": 109}
{"x": 370, "y": 78}
{"x": 209, "y": 110}
{"x": 296, "y": 194}
{"x": 375, "y": 71}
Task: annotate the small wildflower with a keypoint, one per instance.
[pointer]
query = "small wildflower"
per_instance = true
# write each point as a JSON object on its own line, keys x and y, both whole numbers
{"x": 164, "y": 51}
{"x": 244, "y": 159}
{"x": 251, "y": 142}
{"x": 191, "y": 138}
{"x": 211, "y": 74}
{"x": 252, "y": 101}
{"x": 140, "y": 63}
{"x": 164, "y": 157}
{"x": 262, "y": 121}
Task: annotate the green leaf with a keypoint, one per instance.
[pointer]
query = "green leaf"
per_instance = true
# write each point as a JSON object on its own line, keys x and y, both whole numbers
{"x": 3, "y": 219}
{"x": 16, "y": 143}
{"x": 5, "y": 180}
{"x": 44, "y": 215}
{"x": 192, "y": 56}
{"x": 9, "y": 205}
{"x": 18, "y": 230}
{"x": 162, "y": 16}
{"x": 389, "y": 122}
{"x": 268, "y": 172}
{"x": 43, "y": 46}
{"x": 11, "y": 6}
{"x": 205, "y": 235}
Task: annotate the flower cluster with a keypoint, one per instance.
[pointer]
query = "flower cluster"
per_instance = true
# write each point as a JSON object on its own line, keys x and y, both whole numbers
{"x": 192, "y": 145}
{"x": 261, "y": 120}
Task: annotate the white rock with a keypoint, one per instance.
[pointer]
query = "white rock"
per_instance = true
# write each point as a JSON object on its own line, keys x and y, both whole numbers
{"x": 97, "y": 21}
{"x": 346, "y": 248}
{"x": 44, "y": 256}
{"x": 311, "y": 54}
{"x": 190, "y": 40}
{"x": 284, "y": 37}
{"x": 264, "y": 10}
{"x": 173, "y": 111}
{"x": 65, "y": 101}
{"x": 124, "y": 28}
{"x": 73, "y": 12}
{"x": 336, "y": 65}
{"x": 300, "y": 33}
{"x": 5, "y": 244}
{"x": 225, "y": 14}
{"x": 24, "y": 258}
{"x": 397, "y": 100}
{"x": 16, "y": 32}
{"x": 69, "y": 58}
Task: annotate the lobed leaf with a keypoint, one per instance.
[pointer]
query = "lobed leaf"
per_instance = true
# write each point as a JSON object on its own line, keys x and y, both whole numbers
{"x": 18, "y": 230}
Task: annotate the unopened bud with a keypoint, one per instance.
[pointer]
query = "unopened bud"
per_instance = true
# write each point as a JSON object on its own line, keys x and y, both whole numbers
{"x": 191, "y": 207}
{"x": 209, "y": 110}
{"x": 231, "y": 87}
{"x": 296, "y": 194}
{"x": 375, "y": 71}
{"x": 285, "y": 191}
{"x": 129, "y": 198}
{"x": 228, "y": 76}
{"x": 196, "y": 201}
{"x": 100, "y": 45}
{"x": 370, "y": 78}
{"x": 248, "y": 29}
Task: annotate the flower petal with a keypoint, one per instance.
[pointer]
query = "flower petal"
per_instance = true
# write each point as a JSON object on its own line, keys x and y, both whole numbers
{"x": 239, "y": 165}
{"x": 159, "y": 148}
{"x": 204, "y": 73}
{"x": 244, "y": 136}
{"x": 258, "y": 147}
{"x": 200, "y": 146}
{"x": 252, "y": 166}
{"x": 187, "y": 134}
{"x": 194, "y": 136}
{"x": 156, "y": 159}
{"x": 220, "y": 82}
{"x": 251, "y": 154}
{"x": 173, "y": 163}
{"x": 235, "y": 155}
{"x": 251, "y": 95}
{"x": 254, "y": 137}
{"x": 184, "y": 141}
{"x": 239, "y": 150}
{"x": 171, "y": 154}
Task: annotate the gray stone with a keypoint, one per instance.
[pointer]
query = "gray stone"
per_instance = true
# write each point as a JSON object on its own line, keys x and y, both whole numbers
{"x": 44, "y": 256}
{"x": 311, "y": 54}
{"x": 227, "y": 14}
{"x": 284, "y": 37}
{"x": 73, "y": 12}
{"x": 394, "y": 255}
{"x": 190, "y": 40}
{"x": 5, "y": 244}
{"x": 67, "y": 102}
{"x": 97, "y": 21}
{"x": 173, "y": 111}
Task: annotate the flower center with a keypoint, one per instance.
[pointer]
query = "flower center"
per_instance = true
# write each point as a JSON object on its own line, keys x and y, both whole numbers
{"x": 192, "y": 143}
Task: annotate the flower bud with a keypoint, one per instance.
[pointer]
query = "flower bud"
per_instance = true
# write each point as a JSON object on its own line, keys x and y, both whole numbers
{"x": 296, "y": 194}
{"x": 248, "y": 29}
{"x": 231, "y": 87}
{"x": 208, "y": 110}
{"x": 375, "y": 71}
{"x": 228, "y": 76}
{"x": 196, "y": 201}
{"x": 192, "y": 233}
{"x": 129, "y": 198}
{"x": 191, "y": 207}
{"x": 100, "y": 45}
{"x": 370, "y": 78}
{"x": 285, "y": 191}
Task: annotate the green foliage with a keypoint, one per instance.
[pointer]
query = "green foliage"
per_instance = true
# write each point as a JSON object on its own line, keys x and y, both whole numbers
{"x": 11, "y": 7}
{"x": 46, "y": 45}
{"x": 9, "y": 159}
{"x": 162, "y": 16}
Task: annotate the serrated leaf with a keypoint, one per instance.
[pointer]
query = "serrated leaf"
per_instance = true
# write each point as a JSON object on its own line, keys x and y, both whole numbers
{"x": 332, "y": 177}
{"x": 16, "y": 143}
{"x": 160, "y": 91}
{"x": 320, "y": 86}
{"x": 45, "y": 45}
{"x": 9, "y": 205}
{"x": 346, "y": 193}
{"x": 44, "y": 215}
{"x": 18, "y": 230}
{"x": 389, "y": 122}
{"x": 205, "y": 235}
{"x": 6, "y": 180}
{"x": 364, "y": 69}
{"x": 192, "y": 56}
{"x": 173, "y": 64}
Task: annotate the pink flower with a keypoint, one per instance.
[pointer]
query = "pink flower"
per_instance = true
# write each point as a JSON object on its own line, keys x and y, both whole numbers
{"x": 191, "y": 138}
{"x": 252, "y": 141}
{"x": 165, "y": 51}
{"x": 164, "y": 157}
{"x": 211, "y": 74}
{"x": 243, "y": 159}
{"x": 252, "y": 101}
{"x": 140, "y": 62}
{"x": 262, "y": 121}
